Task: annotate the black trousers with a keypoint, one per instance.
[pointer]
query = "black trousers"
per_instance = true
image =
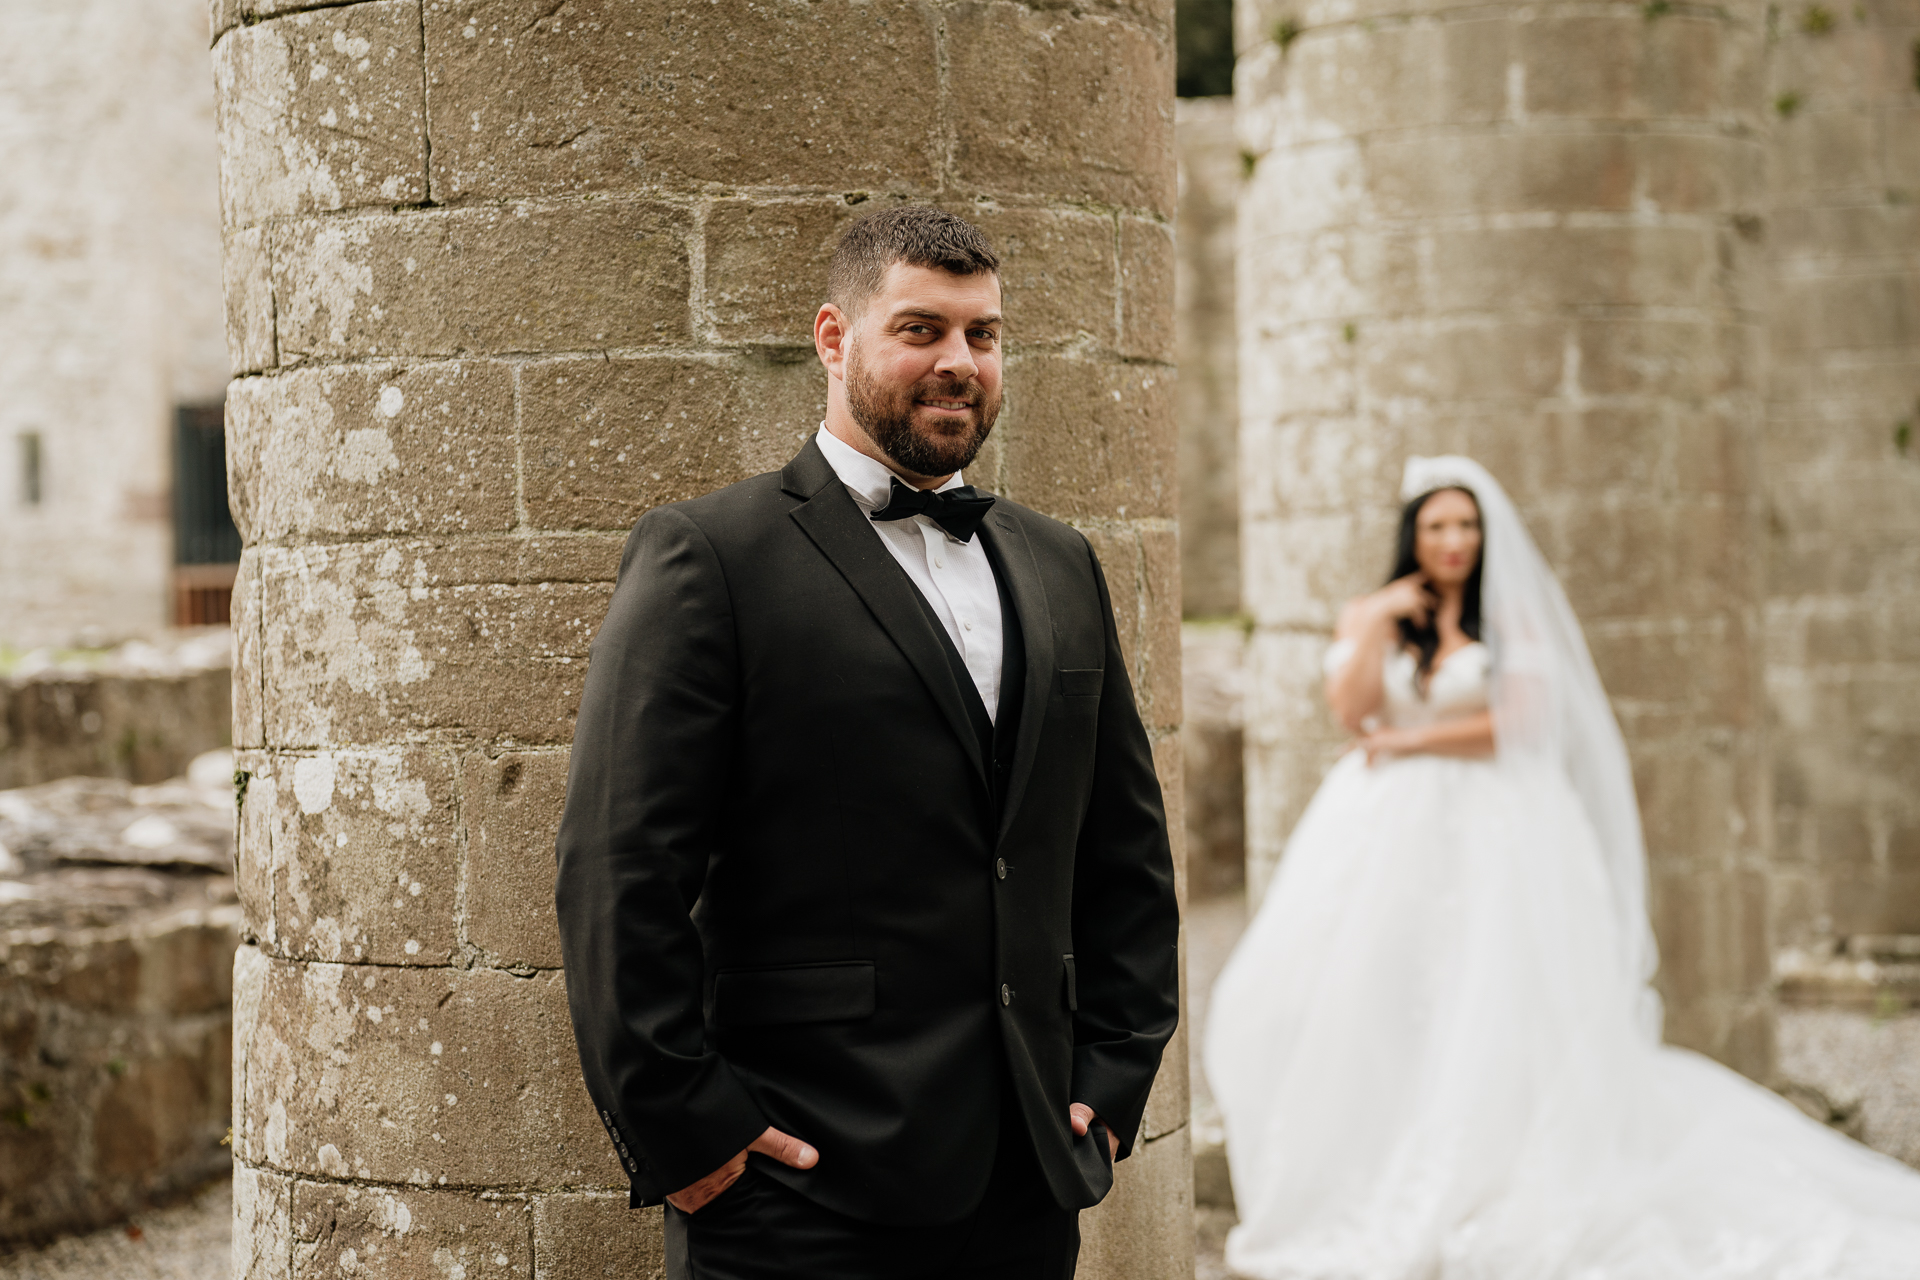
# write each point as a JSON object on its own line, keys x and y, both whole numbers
{"x": 758, "y": 1229}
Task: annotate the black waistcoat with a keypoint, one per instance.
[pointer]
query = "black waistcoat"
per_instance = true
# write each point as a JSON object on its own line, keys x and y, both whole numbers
{"x": 998, "y": 733}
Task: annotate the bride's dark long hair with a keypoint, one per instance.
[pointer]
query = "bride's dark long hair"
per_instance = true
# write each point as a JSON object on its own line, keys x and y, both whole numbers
{"x": 1425, "y": 639}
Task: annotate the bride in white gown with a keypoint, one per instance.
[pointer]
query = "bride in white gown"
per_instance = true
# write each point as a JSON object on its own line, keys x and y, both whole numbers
{"x": 1435, "y": 1049}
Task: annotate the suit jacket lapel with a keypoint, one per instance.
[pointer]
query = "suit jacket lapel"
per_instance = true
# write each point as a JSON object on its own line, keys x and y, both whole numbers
{"x": 1036, "y": 629}
{"x": 839, "y": 528}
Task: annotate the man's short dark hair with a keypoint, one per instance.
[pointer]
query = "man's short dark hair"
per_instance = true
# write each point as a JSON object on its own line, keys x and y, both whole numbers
{"x": 916, "y": 234}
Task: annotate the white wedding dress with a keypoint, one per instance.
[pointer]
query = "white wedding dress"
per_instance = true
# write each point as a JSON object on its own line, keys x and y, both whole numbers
{"x": 1434, "y": 1049}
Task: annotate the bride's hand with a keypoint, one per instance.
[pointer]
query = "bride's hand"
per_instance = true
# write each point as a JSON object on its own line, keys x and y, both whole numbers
{"x": 1388, "y": 743}
{"x": 1409, "y": 597}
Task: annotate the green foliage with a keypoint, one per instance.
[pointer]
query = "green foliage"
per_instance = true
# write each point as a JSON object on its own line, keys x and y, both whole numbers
{"x": 1817, "y": 20}
{"x": 1203, "y": 48}
{"x": 1286, "y": 31}
{"x": 1350, "y": 331}
{"x": 1887, "y": 1005}
{"x": 241, "y": 777}
{"x": 1656, "y": 9}
{"x": 1248, "y": 163}
{"x": 1916, "y": 65}
{"x": 1787, "y": 103}
{"x": 1903, "y": 431}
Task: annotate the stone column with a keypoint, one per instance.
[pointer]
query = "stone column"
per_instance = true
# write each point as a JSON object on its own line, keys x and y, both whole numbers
{"x": 1843, "y": 480}
{"x": 502, "y": 275}
{"x": 1527, "y": 233}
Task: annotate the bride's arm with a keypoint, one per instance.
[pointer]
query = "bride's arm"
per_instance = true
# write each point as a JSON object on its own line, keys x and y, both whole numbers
{"x": 1468, "y": 736}
{"x": 1371, "y": 623}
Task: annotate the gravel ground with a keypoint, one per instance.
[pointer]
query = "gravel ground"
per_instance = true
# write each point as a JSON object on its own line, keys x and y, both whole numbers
{"x": 189, "y": 1241}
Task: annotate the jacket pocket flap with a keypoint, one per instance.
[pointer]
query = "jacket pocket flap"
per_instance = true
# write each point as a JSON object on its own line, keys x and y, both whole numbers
{"x": 836, "y": 992}
{"x": 1083, "y": 683}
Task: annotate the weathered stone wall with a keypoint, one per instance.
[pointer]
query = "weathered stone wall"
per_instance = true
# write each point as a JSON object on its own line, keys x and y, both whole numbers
{"x": 144, "y": 722}
{"x": 1530, "y": 235}
{"x": 1206, "y": 339}
{"x": 500, "y": 277}
{"x": 1843, "y": 490}
{"x": 114, "y": 1047}
{"x": 109, "y": 303}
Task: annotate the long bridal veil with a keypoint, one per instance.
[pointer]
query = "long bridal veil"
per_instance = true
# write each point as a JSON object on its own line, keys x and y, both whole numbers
{"x": 1550, "y": 711}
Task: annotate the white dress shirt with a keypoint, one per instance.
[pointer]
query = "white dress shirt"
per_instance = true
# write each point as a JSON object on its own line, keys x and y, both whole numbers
{"x": 954, "y": 577}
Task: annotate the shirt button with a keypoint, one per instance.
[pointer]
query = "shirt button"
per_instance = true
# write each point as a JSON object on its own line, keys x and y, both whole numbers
{"x": 966, "y": 626}
{"x": 1000, "y": 867}
{"x": 1006, "y": 994}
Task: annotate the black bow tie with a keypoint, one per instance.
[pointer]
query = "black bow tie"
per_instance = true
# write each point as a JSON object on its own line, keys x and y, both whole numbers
{"x": 958, "y": 511}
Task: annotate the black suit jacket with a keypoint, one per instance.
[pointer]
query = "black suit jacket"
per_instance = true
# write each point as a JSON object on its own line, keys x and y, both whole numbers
{"x": 789, "y": 895}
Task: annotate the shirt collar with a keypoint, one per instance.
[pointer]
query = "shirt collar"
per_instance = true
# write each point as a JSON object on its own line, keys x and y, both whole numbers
{"x": 868, "y": 480}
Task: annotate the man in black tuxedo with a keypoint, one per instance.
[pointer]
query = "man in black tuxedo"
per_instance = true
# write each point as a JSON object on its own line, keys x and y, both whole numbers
{"x": 864, "y": 885}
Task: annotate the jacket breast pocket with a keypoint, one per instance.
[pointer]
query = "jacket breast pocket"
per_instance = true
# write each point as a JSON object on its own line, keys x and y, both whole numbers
{"x": 1082, "y": 683}
{"x": 838, "y": 991}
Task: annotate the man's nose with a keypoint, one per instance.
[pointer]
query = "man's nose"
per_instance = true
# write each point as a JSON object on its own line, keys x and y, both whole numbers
{"x": 955, "y": 357}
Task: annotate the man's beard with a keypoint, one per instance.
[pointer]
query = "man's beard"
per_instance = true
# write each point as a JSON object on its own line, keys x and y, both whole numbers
{"x": 886, "y": 415}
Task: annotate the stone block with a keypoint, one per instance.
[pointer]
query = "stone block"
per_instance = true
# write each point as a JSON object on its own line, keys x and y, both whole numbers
{"x": 321, "y": 110}
{"x": 614, "y": 96}
{"x": 253, "y": 844}
{"x": 246, "y": 271}
{"x": 414, "y": 1076}
{"x": 1143, "y": 1230}
{"x": 611, "y": 438}
{"x": 1493, "y": 170}
{"x": 1826, "y": 152}
{"x": 365, "y": 853}
{"x": 374, "y": 449}
{"x": 1169, "y": 1105}
{"x": 386, "y": 1234}
{"x": 262, "y": 1224}
{"x": 1169, "y": 767}
{"x": 1147, "y": 290}
{"x": 1068, "y": 104}
{"x": 1057, "y": 274}
{"x": 596, "y": 1237}
{"x": 486, "y": 641}
{"x": 766, "y": 272}
{"x": 511, "y": 804}
{"x": 1672, "y": 265}
{"x": 1900, "y": 128}
{"x": 1160, "y": 687}
{"x": 1087, "y": 441}
{"x": 582, "y": 277}
{"x": 1836, "y": 312}
{"x": 244, "y": 612}
{"x": 1621, "y": 555}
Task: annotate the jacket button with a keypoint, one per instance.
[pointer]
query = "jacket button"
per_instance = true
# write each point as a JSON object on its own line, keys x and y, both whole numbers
{"x": 1000, "y": 867}
{"x": 1006, "y": 994}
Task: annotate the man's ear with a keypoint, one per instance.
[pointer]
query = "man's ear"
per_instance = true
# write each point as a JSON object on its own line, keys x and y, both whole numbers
{"x": 831, "y": 333}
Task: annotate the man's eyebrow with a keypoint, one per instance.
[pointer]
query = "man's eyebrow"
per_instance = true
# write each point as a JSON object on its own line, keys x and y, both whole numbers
{"x": 927, "y": 313}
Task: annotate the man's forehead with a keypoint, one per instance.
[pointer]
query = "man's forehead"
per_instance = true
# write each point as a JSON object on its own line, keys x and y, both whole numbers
{"x": 934, "y": 293}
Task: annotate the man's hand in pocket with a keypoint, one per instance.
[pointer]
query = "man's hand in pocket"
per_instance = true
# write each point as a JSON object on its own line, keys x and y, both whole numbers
{"x": 1080, "y": 1115}
{"x": 783, "y": 1147}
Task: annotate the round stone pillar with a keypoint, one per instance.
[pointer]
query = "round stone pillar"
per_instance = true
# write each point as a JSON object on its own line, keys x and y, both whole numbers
{"x": 1528, "y": 233}
{"x": 501, "y": 276}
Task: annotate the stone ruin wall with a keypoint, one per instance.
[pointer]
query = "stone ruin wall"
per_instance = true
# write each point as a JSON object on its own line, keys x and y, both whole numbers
{"x": 1535, "y": 236}
{"x": 500, "y": 277}
{"x": 1843, "y": 494}
{"x": 1691, "y": 367}
{"x": 109, "y": 304}
{"x": 1212, "y": 738}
